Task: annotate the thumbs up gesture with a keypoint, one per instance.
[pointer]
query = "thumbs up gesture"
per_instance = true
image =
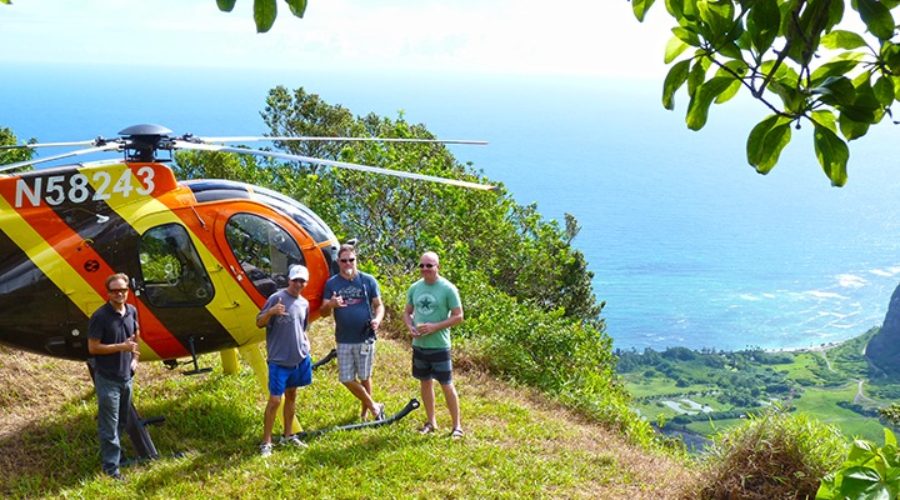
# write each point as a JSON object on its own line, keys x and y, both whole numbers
{"x": 278, "y": 308}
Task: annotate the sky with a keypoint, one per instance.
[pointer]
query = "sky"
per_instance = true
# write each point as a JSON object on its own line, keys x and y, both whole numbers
{"x": 566, "y": 37}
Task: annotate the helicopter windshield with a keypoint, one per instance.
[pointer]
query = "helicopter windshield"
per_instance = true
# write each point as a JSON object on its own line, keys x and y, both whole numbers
{"x": 265, "y": 251}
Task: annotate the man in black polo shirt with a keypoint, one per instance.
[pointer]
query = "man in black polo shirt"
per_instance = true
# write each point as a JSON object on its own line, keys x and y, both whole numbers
{"x": 112, "y": 341}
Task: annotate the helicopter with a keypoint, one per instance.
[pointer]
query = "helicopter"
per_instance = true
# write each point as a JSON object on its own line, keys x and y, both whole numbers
{"x": 203, "y": 255}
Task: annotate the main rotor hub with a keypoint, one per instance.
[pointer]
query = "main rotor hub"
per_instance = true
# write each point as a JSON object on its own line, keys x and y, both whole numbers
{"x": 143, "y": 141}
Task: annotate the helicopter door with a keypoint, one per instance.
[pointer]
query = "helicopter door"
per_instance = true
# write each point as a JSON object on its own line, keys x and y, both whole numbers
{"x": 264, "y": 251}
{"x": 173, "y": 274}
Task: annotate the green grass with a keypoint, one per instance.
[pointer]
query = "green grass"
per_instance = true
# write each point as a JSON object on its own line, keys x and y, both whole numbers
{"x": 822, "y": 404}
{"x": 518, "y": 444}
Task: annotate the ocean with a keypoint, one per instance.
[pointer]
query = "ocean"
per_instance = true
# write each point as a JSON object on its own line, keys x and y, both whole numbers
{"x": 688, "y": 245}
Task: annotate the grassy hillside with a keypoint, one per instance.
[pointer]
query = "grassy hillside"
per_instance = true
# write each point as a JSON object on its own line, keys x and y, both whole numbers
{"x": 518, "y": 444}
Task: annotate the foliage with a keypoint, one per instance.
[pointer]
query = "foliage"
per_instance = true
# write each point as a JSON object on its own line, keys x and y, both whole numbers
{"x": 772, "y": 455}
{"x": 868, "y": 472}
{"x": 8, "y": 138}
{"x": 265, "y": 11}
{"x": 775, "y": 50}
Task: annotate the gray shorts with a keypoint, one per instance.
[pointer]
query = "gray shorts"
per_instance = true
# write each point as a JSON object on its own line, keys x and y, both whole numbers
{"x": 354, "y": 363}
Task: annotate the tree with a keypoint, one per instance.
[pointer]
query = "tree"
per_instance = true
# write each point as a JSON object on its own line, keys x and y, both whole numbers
{"x": 8, "y": 138}
{"x": 775, "y": 50}
{"x": 264, "y": 11}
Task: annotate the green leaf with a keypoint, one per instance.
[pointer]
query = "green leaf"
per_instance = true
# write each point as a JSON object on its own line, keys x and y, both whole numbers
{"x": 640, "y": 8}
{"x": 825, "y": 118}
{"x": 689, "y": 37}
{"x": 224, "y": 5}
{"x": 884, "y": 91}
{"x": 773, "y": 144}
{"x": 863, "y": 482}
{"x": 889, "y": 438}
{"x": 756, "y": 137}
{"x": 841, "y": 39}
{"x": 264, "y": 12}
{"x": 836, "y": 90}
{"x": 698, "y": 109}
{"x": 730, "y": 49}
{"x": 738, "y": 68}
{"x": 762, "y": 24}
{"x": 829, "y": 69}
{"x": 674, "y": 80}
{"x": 852, "y": 129}
{"x": 697, "y": 75}
{"x": 878, "y": 18}
{"x": 298, "y": 7}
{"x": 832, "y": 154}
{"x": 674, "y": 49}
{"x": 675, "y": 8}
{"x": 835, "y": 14}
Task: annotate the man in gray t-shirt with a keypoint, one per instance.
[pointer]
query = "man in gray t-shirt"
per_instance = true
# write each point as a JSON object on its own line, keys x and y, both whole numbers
{"x": 356, "y": 301}
{"x": 285, "y": 316}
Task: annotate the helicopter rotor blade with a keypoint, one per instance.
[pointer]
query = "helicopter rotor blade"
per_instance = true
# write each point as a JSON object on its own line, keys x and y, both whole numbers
{"x": 256, "y": 138}
{"x": 91, "y": 142}
{"x": 79, "y": 152}
{"x": 332, "y": 163}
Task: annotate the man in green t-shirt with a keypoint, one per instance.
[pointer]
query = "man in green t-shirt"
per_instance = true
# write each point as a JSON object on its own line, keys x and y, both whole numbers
{"x": 432, "y": 307}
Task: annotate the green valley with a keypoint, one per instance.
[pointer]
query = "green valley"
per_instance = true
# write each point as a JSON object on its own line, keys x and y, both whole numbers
{"x": 706, "y": 391}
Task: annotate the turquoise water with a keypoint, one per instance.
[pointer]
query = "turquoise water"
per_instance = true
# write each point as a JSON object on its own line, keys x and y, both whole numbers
{"x": 688, "y": 245}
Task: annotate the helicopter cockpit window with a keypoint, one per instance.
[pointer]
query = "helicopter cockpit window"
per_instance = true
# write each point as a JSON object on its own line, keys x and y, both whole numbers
{"x": 172, "y": 270}
{"x": 264, "y": 250}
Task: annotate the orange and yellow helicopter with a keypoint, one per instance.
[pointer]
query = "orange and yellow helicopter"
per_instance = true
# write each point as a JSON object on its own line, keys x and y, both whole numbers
{"x": 203, "y": 255}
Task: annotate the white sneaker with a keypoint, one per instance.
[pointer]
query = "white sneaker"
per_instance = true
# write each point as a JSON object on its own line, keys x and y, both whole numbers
{"x": 265, "y": 449}
{"x": 292, "y": 440}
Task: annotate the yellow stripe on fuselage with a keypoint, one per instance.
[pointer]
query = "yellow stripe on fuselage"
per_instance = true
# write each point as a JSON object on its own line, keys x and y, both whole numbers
{"x": 146, "y": 212}
{"x": 49, "y": 261}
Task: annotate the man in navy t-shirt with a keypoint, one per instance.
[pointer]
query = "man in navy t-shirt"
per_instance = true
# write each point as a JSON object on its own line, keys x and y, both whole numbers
{"x": 356, "y": 301}
{"x": 112, "y": 341}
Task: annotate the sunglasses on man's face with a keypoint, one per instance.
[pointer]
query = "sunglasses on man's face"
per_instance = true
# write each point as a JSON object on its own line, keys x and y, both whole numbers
{"x": 118, "y": 290}
{"x": 426, "y": 266}
{"x": 351, "y": 259}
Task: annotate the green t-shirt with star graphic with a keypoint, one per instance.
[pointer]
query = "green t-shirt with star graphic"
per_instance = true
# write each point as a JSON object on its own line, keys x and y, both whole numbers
{"x": 432, "y": 303}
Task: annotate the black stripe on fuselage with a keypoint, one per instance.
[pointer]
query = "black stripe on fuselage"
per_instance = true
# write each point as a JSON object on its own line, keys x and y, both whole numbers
{"x": 36, "y": 315}
{"x": 117, "y": 243}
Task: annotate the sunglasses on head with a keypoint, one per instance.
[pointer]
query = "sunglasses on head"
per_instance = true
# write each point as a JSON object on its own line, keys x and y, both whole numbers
{"x": 351, "y": 259}
{"x": 429, "y": 266}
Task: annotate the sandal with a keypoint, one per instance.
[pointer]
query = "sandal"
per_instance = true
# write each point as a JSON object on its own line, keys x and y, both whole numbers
{"x": 457, "y": 433}
{"x": 427, "y": 428}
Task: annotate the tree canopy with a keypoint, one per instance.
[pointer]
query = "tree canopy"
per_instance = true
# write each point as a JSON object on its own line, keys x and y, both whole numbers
{"x": 794, "y": 58}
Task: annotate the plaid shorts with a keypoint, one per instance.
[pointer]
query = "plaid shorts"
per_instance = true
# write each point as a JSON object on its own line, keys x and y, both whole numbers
{"x": 354, "y": 363}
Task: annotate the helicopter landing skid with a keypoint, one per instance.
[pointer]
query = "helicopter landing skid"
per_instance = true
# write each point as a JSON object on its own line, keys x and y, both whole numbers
{"x": 412, "y": 405}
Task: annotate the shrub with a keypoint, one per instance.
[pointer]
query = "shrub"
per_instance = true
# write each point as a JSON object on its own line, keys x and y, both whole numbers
{"x": 868, "y": 472}
{"x": 772, "y": 455}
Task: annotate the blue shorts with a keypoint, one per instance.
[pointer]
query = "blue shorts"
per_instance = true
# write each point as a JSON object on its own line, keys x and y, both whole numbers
{"x": 285, "y": 377}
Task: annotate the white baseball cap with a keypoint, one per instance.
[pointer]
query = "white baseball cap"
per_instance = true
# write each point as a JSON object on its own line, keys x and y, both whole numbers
{"x": 299, "y": 272}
